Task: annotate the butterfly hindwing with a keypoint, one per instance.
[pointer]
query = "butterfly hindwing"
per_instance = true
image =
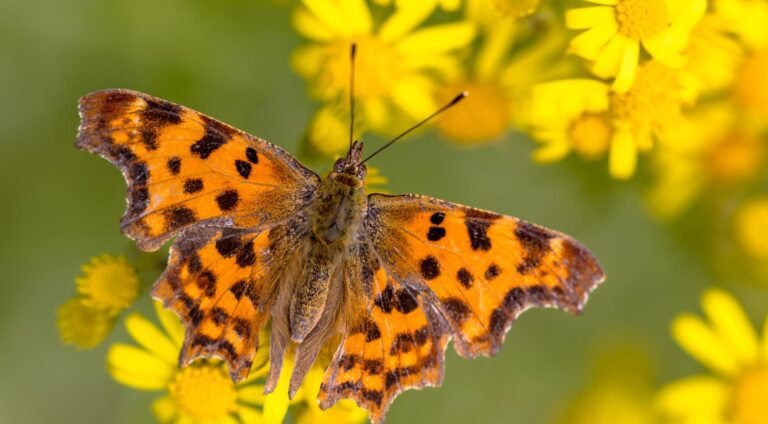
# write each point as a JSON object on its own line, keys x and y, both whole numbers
{"x": 479, "y": 269}
{"x": 221, "y": 282}
{"x": 397, "y": 343}
{"x": 184, "y": 168}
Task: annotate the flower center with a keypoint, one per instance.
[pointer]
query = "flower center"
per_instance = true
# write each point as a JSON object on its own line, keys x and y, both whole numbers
{"x": 109, "y": 283}
{"x": 590, "y": 135}
{"x": 749, "y": 397}
{"x": 750, "y": 88}
{"x": 204, "y": 393}
{"x": 652, "y": 105}
{"x": 482, "y": 116}
{"x": 737, "y": 158}
{"x": 376, "y": 67}
{"x": 641, "y": 19}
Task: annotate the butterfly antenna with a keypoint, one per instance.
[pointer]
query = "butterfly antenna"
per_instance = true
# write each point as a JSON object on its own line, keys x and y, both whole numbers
{"x": 450, "y": 104}
{"x": 352, "y": 54}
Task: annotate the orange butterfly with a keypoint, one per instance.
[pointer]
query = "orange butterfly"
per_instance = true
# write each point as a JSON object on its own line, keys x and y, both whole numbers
{"x": 384, "y": 280}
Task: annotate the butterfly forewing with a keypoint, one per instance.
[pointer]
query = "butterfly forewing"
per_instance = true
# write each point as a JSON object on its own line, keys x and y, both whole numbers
{"x": 478, "y": 268}
{"x": 184, "y": 168}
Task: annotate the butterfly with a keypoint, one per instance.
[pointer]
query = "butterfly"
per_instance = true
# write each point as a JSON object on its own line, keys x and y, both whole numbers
{"x": 385, "y": 281}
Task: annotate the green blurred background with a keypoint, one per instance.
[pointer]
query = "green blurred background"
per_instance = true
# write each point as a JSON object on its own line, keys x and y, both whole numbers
{"x": 230, "y": 59}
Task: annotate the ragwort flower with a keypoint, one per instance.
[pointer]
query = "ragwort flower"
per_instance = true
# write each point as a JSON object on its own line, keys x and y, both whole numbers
{"x": 616, "y": 29}
{"x": 729, "y": 346}
{"x": 396, "y": 62}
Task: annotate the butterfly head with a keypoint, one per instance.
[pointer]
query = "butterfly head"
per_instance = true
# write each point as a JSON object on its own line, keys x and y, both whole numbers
{"x": 350, "y": 170}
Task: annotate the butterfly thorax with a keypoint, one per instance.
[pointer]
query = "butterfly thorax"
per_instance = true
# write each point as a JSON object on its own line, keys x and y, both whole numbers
{"x": 336, "y": 216}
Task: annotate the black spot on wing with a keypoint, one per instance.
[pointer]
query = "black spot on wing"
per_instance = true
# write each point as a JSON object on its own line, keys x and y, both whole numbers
{"x": 193, "y": 185}
{"x": 430, "y": 268}
{"x": 252, "y": 156}
{"x": 227, "y": 200}
{"x": 243, "y": 168}
{"x": 174, "y": 165}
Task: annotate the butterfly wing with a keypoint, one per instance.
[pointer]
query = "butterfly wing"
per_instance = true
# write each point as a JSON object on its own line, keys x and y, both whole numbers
{"x": 185, "y": 169}
{"x": 398, "y": 341}
{"x": 237, "y": 201}
{"x": 480, "y": 270}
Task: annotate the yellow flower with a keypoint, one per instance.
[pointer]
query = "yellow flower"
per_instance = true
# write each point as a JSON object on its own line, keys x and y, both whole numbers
{"x": 109, "y": 283}
{"x": 616, "y": 29}
{"x": 571, "y": 116}
{"x": 447, "y": 5}
{"x": 500, "y": 77}
{"x": 711, "y": 150}
{"x": 620, "y": 391}
{"x": 516, "y": 8}
{"x": 729, "y": 346}
{"x": 396, "y": 63}
{"x": 713, "y": 56}
{"x": 83, "y": 325}
{"x": 750, "y": 88}
{"x": 752, "y": 227}
{"x": 200, "y": 393}
{"x": 328, "y": 132}
{"x": 651, "y": 110}
{"x": 746, "y": 19}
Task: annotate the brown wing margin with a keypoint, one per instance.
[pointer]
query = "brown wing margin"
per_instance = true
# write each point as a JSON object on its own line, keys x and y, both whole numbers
{"x": 184, "y": 168}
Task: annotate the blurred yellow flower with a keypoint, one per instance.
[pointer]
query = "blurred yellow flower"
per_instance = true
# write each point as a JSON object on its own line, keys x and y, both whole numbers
{"x": 109, "y": 283}
{"x": 710, "y": 151}
{"x": 621, "y": 391}
{"x": 746, "y": 19}
{"x": 729, "y": 346}
{"x": 752, "y": 228}
{"x": 571, "y": 116}
{"x": 448, "y": 5}
{"x": 83, "y": 325}
{"x": 328, "y": 132}
{"x": 750, "y": 88}
{"x": 616, "y": 29}
{"x": 396, "y": 62}
{"x": 500, "y": 77}
{"x": 516, "y": 8}
{"x": 651, "y": 110}
{"x": 713, "y": 56}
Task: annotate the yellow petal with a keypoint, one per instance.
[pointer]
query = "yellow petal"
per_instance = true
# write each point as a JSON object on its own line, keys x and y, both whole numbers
{"x": 249, "y": 415}
{"x": 151, "y": 338}
{"x": 309, "y": 26}
{"x": 276, "y": 403}
{"x": 628, "y": 68}
{"x": 700, "y": 396}
{"x": 164, "y": 409}
{"x": 765, "y": 339}
{"x": 731, "y": 325}
{"x": 698, "y": 339}
{"x": 171, "y": 323}
{"x": 494, "y": 49}
{"x": 610, "y": 58}
{"x": 588, "y": 17}
{"x": 414, "y": 96}
{"x": 666, "y": 49}
{"x": 604, "y": 2}
{"x": 590, "y": 43}
{"x": 252, "y": 394}
{"x": 437, "y": 39}
{"x": 407, "y": 17}
{"x": 357, "y": 16}
{"x": 552, "y": 151}
{"x": 137, "y": 368}
{"x": 333, "y": 15}
{"x": 623, "y": 156}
